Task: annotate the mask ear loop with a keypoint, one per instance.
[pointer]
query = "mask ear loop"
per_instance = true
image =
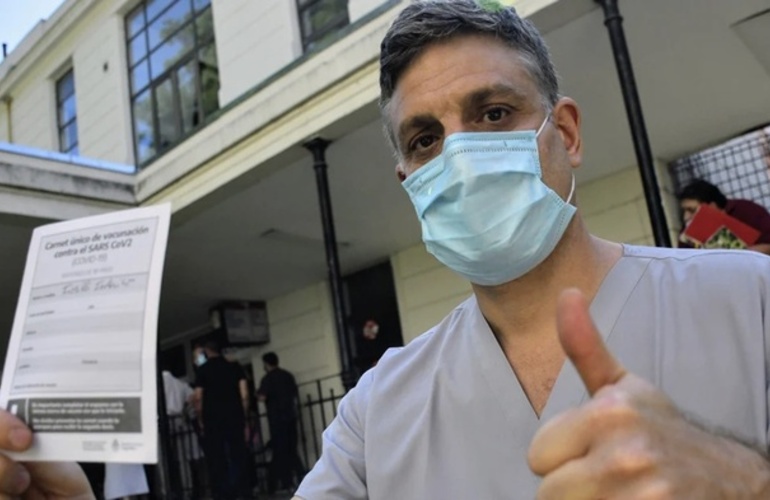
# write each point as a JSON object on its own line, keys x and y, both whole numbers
{"x": 571, "y": 191}
{"x": 542, "y": 125}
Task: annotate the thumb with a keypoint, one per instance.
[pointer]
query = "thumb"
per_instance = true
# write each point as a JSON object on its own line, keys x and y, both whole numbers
{"x": 583, "y": 344}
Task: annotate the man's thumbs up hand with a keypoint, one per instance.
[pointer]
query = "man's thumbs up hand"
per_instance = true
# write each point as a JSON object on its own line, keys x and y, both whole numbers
{"x": 583, "y": 343}
{"x": 629, "y": 441}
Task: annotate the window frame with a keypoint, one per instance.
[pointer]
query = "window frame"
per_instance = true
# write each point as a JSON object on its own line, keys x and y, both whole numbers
{"x": 74, "y": 148}
{"x": 309, "y": 40}
{"x": 168, "y": 74}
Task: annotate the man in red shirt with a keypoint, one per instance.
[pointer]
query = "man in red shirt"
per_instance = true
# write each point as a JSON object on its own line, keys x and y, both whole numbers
{"x": 746, "y": 211}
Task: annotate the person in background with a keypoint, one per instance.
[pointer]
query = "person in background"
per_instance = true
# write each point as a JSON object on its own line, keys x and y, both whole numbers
{"x": 278, "y": 390}
{"x": 181, "y": 418}
{"x": 221, "y": 388}
{"x": 753, "y": 214}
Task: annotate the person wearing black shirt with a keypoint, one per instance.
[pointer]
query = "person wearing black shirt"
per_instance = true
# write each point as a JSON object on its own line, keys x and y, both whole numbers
{"x": 278, "y": 390}
{"x": 222, "y": 391}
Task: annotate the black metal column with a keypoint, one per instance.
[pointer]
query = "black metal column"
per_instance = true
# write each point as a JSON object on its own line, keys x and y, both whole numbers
{"x": 318, "y": 148}
{"x": 614, "y": 22}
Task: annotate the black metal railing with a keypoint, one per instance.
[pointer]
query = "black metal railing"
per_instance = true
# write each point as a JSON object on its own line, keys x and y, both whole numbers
{"x": 318, "y": 403}
{"x": 188, "y": 478}
{"x": 740, "y": 167}
{"x": 187, "y": 469}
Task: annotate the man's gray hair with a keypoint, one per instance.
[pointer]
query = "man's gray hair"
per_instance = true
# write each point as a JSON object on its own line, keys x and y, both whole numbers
{"x": 424, "y": 22}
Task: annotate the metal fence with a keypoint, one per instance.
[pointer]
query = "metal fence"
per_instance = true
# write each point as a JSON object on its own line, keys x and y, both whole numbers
{"x": 740, "y": 167}
{"x": 319, "y": 400}
{"x": 187, "y": 476}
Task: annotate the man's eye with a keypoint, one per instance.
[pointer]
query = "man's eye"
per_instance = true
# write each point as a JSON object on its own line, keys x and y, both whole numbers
{"x": 423, "y": 142}
{"x": 495, "y": 114}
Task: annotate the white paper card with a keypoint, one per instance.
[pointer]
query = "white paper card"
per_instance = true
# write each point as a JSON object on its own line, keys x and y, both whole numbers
{"x": 80, "y": 368}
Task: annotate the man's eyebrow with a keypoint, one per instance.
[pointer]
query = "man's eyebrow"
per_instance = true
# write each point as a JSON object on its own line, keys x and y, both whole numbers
{"x": 500, "y": 90}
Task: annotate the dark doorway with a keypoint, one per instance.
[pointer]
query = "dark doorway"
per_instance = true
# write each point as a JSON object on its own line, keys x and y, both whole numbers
{"x": 373, "y": 320}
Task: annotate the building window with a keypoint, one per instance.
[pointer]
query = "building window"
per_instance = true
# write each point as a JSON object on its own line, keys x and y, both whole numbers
{"x": 318, "y": 19}
{"x": 66, "y": 115}
{"x": 173, "y": 70}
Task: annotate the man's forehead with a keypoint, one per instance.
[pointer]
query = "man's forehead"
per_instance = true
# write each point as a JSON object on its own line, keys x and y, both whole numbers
{"x": 490, "y": 63}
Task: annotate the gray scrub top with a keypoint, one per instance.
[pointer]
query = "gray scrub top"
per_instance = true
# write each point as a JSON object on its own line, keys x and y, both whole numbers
{"x": 446, "y": 418}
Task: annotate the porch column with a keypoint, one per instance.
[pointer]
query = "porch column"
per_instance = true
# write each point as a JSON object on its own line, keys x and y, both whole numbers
{"x": 614, "y": 22}
{"x": 318, "y": 147}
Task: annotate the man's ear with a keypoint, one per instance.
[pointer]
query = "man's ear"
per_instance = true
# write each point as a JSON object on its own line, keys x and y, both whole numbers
{"x": 400, "y": 173}
{"x": 566, "y": 118}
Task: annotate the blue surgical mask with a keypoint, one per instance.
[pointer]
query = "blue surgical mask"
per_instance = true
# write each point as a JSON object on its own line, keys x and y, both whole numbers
{"x": 200, "y": 360}
{"x": 484, "y": 209}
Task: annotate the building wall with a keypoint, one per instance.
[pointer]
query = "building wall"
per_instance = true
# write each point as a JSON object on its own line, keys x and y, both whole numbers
{"x": 254, "y": 41}
{"x": 33, "y": 113}
{"x": 4, "y": 135}
{"x": 94, "y": 47}
{"x": 614, "y": 208}
{"x": 101, "y": 86}
{"x": 359, "y": 8}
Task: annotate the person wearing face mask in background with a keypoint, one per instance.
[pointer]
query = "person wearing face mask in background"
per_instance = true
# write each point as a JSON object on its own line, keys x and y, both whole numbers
{"x": 199, "y": 357}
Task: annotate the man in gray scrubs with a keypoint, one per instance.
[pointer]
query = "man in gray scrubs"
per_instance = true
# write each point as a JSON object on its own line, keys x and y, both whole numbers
{"x": 517, "y": 393}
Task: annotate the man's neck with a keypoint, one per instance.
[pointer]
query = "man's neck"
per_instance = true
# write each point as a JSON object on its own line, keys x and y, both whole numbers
{"x": 526, "y": 307}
